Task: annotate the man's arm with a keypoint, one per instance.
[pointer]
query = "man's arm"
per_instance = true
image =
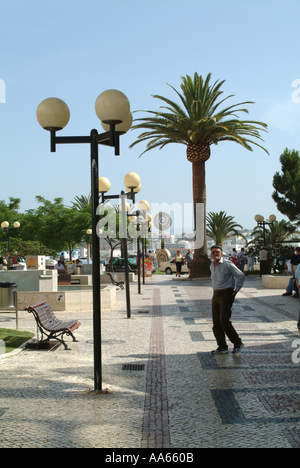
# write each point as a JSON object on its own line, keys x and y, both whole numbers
{"x": 239, "y": 276}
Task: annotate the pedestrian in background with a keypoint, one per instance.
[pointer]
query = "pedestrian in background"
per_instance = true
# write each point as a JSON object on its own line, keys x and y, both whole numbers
{"x": 263, "y": 255}
{"x": 189, "y": 258}
{"x": 295, "y": 260}
{"x": 250, "y": 262}
{"x": 179, "y": 262}
{"x": 241, "y": 258}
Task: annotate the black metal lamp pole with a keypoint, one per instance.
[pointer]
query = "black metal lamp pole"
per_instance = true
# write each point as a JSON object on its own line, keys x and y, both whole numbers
{"x": 96, "y": 264}
{"x": 262, "y": 223}
{"x": 8, "y": 238}
{"x": 145, "y": 226}
{"x": 137, "y": 214}
{"x": 53, "y": 114}
{"x": 138, "y": 251}
{"x": 7, "y": 229}
{"x": 143, "y": 250}
{"x": 139, "y": 258}
{"x": 124, "y": 224}
{"x": 112, "y": 139}
{"x": 130, "y": 195}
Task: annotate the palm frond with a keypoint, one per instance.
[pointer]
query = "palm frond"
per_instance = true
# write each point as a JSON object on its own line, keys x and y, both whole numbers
{"x": 220, "y": 226}
{"x": 199, "y": 119}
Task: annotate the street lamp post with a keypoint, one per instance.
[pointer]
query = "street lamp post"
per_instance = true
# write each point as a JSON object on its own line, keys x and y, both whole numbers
{"x": 262, "y": 223}
{"x": 113, "y": 109}
{"x": 89, "y": 233}
{"x": 6, "y": 228}
{"x": 144, "y": 208}
{"x": 135, "y": 219}
{"x": 132, "y": 183}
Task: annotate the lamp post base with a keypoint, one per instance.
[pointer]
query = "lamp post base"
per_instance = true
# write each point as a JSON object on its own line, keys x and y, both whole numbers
{"x": 98, "y": 392}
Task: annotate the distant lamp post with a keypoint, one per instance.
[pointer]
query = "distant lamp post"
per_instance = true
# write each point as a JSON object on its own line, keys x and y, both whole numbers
{"x": 262, "y": 223}
{"x": 132, "y": 183}
{"x": 135, "y": 221}
{"x": 113, "y": 109}
{"x": 144, "y": 207}
{"x": 88, "y": 245}
{"x": 6, "y": 228}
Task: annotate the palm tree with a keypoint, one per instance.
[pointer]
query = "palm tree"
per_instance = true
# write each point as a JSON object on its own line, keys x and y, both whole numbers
{"x": 198, "y": 124}
{"x": 275, "y": 233}
{"x": 220, "y": 227}
{"x": 81, "y": 201}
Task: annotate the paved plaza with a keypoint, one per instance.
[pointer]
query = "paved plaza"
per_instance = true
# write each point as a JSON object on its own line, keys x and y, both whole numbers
{"x": 181, "y": 396}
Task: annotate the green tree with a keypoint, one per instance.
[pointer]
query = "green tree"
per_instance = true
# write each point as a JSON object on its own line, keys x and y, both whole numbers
{"x": 81, "y": 201}
{"x": 275, "y": 234}
{"x": 24, "y": 248}
{"x": 9, "y": 212}
{"x": 220, "y": 227}
{"x": 287, "y": 185}
{"x": 198, "y": 123}
{"x": 56, "y": 226}
{"x": 110, "y": 222}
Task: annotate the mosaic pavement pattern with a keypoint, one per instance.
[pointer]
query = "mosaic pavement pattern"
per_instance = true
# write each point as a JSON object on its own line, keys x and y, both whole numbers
{"x": 174, "y": 393}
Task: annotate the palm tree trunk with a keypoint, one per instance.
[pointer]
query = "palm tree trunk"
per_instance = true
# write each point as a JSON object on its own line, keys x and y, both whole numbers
{"x": 200, "y": 266}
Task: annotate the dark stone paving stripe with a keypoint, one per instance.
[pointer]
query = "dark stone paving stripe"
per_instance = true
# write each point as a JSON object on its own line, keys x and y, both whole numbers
{"x": 155, "y": 433}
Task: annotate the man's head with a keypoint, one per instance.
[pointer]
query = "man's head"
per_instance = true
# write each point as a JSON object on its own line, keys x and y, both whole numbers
{"x": 216, "y": 252}
{"x": 297, "y": 250}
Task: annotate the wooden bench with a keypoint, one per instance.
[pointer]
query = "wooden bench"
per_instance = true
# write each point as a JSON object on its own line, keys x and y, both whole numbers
{"x": 114, "y": 281}
{"x": 49, "y": 325}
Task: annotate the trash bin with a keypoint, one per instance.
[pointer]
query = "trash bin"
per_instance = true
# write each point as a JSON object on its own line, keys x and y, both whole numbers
{"x": 78, "y": 270}
{"x": 7, "y": 294}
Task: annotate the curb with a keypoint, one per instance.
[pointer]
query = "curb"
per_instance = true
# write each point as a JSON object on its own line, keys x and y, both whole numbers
{"x": 15, "y": 351}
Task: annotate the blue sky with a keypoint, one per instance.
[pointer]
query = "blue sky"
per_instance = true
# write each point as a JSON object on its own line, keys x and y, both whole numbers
{"x": 74, "y": 50}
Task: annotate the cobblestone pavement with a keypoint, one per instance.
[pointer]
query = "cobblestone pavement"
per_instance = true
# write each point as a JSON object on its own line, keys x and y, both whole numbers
{"x": 183, "y": 398}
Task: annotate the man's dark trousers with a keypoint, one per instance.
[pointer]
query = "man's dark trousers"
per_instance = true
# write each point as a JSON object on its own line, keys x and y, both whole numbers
{"x": 221, "y": 310}
{"x": 264, "y": 268}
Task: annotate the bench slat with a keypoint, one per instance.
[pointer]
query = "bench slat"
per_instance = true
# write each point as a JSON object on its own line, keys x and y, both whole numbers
{"x": 47, "y": 310}
{"x": 46, "y": 319}
{"x": 35, "y": 305}
{"x": 51, "y": 321}
{"x": 42, "y": 307}
{"x": 60, "y": 326}
{"x": 45, "y": 315}
{"x": 75, "y": 327}
{"x": 50, "y": 325}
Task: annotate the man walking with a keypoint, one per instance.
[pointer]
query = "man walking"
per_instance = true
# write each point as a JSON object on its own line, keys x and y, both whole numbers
{"x": 227, "y": 280}
{"x": 241, "y": 257}
{"x": 189, "y": 258}
{"x": 263, "y": 256}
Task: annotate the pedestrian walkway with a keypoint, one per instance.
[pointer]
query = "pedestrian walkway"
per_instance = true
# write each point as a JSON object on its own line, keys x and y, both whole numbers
{"x": 165, "y": 389}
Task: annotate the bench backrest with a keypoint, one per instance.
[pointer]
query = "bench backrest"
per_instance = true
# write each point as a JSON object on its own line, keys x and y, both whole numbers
{"x": 42, "y": 312}
{"x": 113, "y": 278}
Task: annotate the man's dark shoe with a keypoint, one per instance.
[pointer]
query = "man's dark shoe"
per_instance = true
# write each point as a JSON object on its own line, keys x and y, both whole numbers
{"x": 220, "y": 351}
{"x": 238, "y": 348}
